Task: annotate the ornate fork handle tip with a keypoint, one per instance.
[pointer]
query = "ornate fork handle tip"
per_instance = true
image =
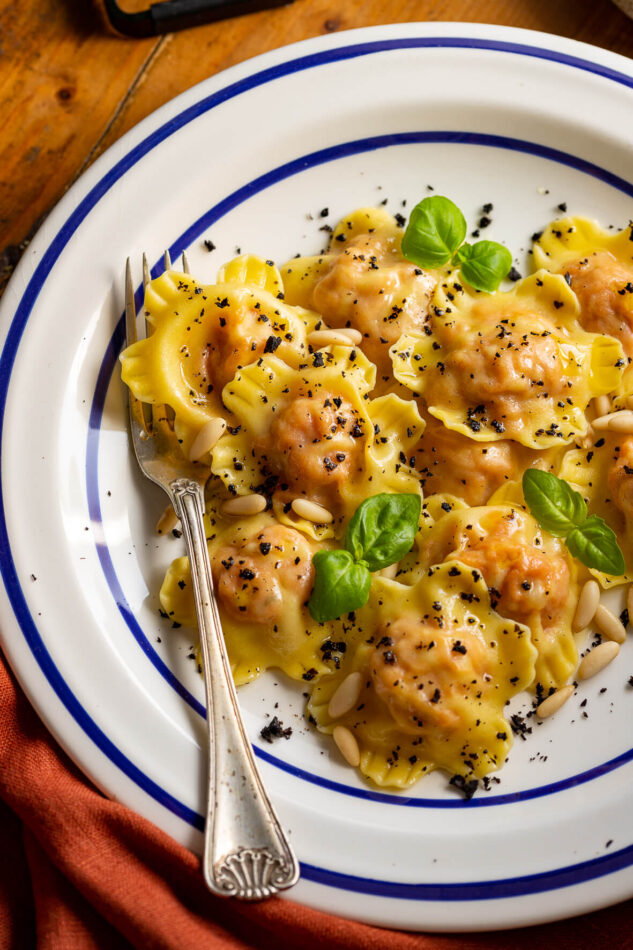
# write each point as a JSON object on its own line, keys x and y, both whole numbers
{"x": 253, "y": 874}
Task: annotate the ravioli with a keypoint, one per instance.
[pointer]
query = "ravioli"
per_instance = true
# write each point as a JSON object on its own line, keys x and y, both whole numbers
{"x": 314, "y": 433}
{"x": 513, "y": 365}
{"x": 202, "y": 334}
{"x": 437, "y": 672}
{"x": 531, "y": 576}
{"x": 262, "y": 573}
{"x": 598, "y": 264}
{"x": 363, "y": 281}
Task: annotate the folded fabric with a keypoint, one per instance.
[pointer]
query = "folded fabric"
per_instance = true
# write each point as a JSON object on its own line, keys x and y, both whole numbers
{"x": 81, "y": 872}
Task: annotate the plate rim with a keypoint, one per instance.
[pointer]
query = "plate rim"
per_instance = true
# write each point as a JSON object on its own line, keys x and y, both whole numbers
{"x": 109, "y": 161}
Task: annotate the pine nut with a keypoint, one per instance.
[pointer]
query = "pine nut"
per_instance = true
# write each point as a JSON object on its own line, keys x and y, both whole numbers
{"x": 355, "y": 335}
{"x": 347, "y": 745}
{"x": 619, "y": 421}
{"x": 209, "y": 434}
{"x": 311, "y": 511}
{"x": 167, "y": 521}
{"x": 587, "y": 605}
{"x": 599, "y": 657}
{"x": 346, "y": 696}
{"x": 553, "y": 703}
{"x": 622, "y": 422}
{"x": 319, "y": 338}
{"x": 629, "y": 601}
{"x": 244, "y": 505}
{"x": 610, "y": 625}
{"x": 602, "y": 405}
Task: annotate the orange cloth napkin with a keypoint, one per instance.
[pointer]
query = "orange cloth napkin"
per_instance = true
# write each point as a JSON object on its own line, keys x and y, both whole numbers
{"x": 80, "y": 872}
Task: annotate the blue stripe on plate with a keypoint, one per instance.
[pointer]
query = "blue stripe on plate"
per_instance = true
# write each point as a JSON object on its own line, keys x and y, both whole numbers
{"x": 37, "y": 281}
{"x": 476, "y": 890}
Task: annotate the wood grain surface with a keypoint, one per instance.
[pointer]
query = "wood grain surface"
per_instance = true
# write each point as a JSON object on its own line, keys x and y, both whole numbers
{"x": 69, "y": 86}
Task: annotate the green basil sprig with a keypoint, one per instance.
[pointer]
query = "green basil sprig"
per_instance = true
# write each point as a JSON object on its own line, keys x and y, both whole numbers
{"x": 435, "y": 230}
{"x": 563, "y": 512}
{"x": 381, "y": 532}
{"x": 596, "y": 545}
{"x": 484, "y": 265}
{"x": 435, "y": 235}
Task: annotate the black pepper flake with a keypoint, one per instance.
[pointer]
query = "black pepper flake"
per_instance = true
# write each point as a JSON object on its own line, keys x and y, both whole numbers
{"x": 458, "y": 647}
{"x": 318, "y": 360}
{"x": 310, "y": 674}
{"x": 210, "y": 246}
{"x": 275, "y": 730}
{"x": 467, "y": 787}
{"x": 264, "y": 547}
{"x": 272, "y": 343}
{"x": 515, "y": 274}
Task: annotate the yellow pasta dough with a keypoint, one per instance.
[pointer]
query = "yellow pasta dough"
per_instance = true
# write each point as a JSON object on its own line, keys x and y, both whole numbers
{"x": 598, "y": 264}
{"x": 363, "y": 281}
{"x": 262, "y": 573}
{"x": 437, "y": 671}
{"x": 202, "y": 334}
{"x": 314, "y": 432}
{"x": 531, "y": 576}
{"x": 513, "y": 365}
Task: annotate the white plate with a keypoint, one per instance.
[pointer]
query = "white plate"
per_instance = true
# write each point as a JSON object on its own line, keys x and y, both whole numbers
{"x": 483, "y": 114}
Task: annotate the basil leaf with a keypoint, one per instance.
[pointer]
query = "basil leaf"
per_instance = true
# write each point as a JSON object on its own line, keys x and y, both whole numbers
{"x": 435, "y": 230}
{"x": 595, "y": 545}
{"x": 340, "y": 585}
{"x": 484, "y": 265}
{"x": 383, "y": 529}
{"x": 553, "y": 502}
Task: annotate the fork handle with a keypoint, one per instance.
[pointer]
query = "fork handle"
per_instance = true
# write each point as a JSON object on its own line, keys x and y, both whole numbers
{"x": 246, "y": 853}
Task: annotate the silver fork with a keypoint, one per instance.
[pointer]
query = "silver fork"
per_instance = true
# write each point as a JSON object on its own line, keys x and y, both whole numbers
{"x": 246, "y": 853}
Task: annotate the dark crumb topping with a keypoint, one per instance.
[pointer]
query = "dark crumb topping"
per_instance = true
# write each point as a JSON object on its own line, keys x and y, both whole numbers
{"x": 467, "y": 786}
{"x": 275, "y": 730}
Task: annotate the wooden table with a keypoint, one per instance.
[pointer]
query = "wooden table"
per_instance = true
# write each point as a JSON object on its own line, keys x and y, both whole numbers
{"x": 69, "y": 86}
